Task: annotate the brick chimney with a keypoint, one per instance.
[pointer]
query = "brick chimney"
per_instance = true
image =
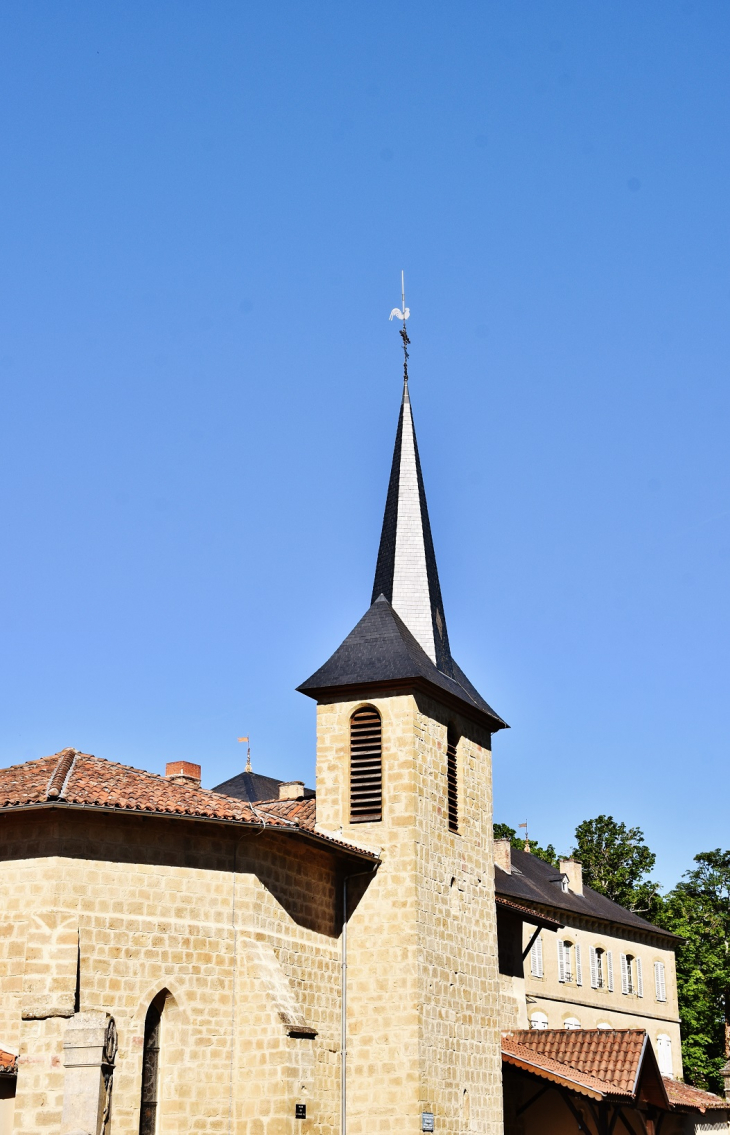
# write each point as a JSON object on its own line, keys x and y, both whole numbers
{"x": 291, "y": 790}
{"x": 183, "y": 772}
{"x": 725, "y": 1073}
{"x": 574, "y": 870}
{"x": 503, "y": 854}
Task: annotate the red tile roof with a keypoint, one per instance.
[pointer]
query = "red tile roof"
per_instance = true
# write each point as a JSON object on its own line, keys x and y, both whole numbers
{"x": 533, "y": 916}
{"x": 612, "y": 1055}
{"x": 526, "y": 1058}
{"x": 684, "y": 1095}
{"x": 82, "y": 780}
{"x": 303, "y": 812}
{"x": 8, "y": 1063}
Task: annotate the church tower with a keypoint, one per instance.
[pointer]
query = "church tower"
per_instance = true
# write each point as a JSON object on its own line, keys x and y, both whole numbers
{"x": 404, "y": 765}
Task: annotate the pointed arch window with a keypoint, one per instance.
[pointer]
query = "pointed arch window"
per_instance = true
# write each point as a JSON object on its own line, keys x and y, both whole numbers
{"x": 366, "y": 766}
{"x": 452, "y": 779}
{"x": 151, "y": 1066}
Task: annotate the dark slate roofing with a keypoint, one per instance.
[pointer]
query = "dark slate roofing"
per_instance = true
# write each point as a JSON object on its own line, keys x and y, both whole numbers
{"x": 252, "y": 786}
{"x": 408, "y": 493}
{"x": 534, "y": 881}
{"x": 380, "y": 650}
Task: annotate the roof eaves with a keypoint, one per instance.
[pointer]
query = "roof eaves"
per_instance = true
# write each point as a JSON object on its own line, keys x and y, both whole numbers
{"x": 227, "y": 821}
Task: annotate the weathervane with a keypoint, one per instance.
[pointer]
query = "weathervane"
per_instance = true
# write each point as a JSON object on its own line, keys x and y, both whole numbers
{"x": 403, "y": 314}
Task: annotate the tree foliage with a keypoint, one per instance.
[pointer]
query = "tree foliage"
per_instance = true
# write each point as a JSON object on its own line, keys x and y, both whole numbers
{"x": 549, "y": 854}
{"x": 616, "y": 862}
{"x": 699, "y": 910}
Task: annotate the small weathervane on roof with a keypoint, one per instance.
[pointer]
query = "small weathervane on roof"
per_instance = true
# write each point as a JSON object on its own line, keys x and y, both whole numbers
{"x": 527, "y": 839}
{"x": 245, "y": 741}
{"x": 403, "y": 313}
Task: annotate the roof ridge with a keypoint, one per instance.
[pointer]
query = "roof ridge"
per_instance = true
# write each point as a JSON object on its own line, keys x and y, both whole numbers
{"x": 60, "y": 774}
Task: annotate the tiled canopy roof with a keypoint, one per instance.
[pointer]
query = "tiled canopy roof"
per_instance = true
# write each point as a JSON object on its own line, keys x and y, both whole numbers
{"x": 534, "y": 881}
{"x": 525, "y": 1058}
{"x": 81, "y": 780}
{"x": 611, "y": 1055}
{"x": 684, "y": 1096}
{"x": 614, "y": 1064}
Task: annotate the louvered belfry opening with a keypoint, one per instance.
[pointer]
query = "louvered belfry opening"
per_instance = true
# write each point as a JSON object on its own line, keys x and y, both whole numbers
{"x": 366, "y": 766}
{"x": 452, "y": 782}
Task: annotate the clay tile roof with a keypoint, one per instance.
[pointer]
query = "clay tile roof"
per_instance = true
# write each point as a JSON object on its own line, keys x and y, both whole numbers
{"x": 611, "y": 1055}
{"x": 547, "y": 1068}
{"x": 74, "y": 778}
{"x": 533, "y": 916}
{"x": 303, "y": 812}
{"x": 8, "y": 1063}
{"x": 683, "y": 1095}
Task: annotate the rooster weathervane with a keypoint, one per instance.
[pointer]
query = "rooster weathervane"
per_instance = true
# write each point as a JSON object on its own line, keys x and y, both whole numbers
{"x": 403, "y": 313}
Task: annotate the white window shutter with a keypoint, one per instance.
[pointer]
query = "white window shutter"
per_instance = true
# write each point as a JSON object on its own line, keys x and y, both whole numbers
{"x": 578, "y": 966}
{"x": 659, "y": 981}
{"x": 593, "y": 958}
{"x": 561, "y": 962}
{"x": 639, "y": 979}
{"x": 536, "y": 958}
{"x": 624, "y": 974}
{"x": 609, "y": 970}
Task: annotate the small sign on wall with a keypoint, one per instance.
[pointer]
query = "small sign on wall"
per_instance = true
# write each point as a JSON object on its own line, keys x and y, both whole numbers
{"x": 300, "y": 1111}
{"x": 427, "y": 1121}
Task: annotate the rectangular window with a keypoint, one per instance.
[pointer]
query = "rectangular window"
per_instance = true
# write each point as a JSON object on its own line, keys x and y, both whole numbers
{"x": 536, "y": 958}
{"x": 627, "y": 977}
{"x": 563, "y": 961}
{"x": 659, "y": 981}
{"x": 609, "y": 970}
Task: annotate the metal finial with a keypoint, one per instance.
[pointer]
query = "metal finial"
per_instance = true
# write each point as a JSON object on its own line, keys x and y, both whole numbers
{"x": 403, "y": 313}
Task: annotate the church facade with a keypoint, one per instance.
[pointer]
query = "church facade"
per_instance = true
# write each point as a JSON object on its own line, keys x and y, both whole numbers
{"x": 179, "y": 961}
{"x": 175, "y": 959}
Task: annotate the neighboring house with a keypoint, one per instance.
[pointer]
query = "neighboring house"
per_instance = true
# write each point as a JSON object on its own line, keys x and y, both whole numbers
{"x": 588, "y": 1010}
{"x": 605, "y": 968}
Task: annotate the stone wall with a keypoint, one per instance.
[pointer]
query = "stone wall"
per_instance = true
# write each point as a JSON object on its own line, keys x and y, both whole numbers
{"x": 147, "y": 904}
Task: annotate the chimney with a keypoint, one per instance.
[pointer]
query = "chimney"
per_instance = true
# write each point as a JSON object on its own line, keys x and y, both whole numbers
{"x": 183, "y": 772}
{"x": 503, "y": 854}
{"x": 574, "y": 870}
{"x": 725, "y": 1073}
{"x": 291, "y": 790}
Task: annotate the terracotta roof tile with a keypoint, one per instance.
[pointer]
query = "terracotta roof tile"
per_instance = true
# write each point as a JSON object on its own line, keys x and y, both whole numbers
{"x": 303, "y": 812}
{"x": 684, "y": 1095}
{"x": 540, "y": 1064}
{"x": 611, "y": 1055}
{"x": 534, "y": 916}
{"x": 74, "y": 778}
{"x": 8, "y": 1063}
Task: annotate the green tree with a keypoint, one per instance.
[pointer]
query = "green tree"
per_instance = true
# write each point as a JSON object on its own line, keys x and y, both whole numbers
{"x": 698, "y": 909}
{"x": 616, "y": 862}
{"x": 549, "y": 854}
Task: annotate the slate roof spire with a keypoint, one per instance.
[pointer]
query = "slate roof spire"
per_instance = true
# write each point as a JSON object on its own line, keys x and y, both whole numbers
{"x": 406, "y": 572}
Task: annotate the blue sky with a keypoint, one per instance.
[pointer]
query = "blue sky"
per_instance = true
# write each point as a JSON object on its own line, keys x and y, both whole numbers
{"x": 205, "y": 211}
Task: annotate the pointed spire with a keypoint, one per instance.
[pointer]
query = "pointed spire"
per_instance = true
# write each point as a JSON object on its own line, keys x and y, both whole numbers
{"x": 406, "y": 572}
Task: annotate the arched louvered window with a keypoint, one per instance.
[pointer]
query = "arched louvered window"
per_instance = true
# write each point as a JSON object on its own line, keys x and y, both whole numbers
{"x": 366, "y": 766}
{"x": 151, "y": 1066}
{"x": 452, "y": 779}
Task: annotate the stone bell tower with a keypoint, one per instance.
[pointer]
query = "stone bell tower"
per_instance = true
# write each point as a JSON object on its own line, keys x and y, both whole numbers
{"x": 404, "y": 764}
